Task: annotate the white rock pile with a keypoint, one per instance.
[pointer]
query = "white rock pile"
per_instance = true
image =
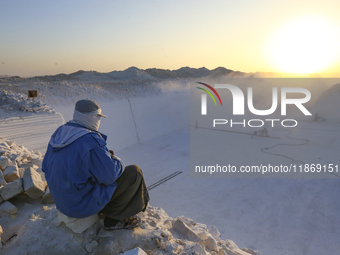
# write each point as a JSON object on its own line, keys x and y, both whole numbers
{"x": 10, "y": 101}
{"x": 35, "y": 226}
{"x": 19, "y": 175}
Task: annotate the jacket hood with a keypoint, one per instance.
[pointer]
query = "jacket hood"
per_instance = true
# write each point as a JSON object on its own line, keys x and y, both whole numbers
{"x": 67, "y": 134}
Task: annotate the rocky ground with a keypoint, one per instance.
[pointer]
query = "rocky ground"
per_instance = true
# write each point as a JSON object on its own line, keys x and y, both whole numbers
{"x": 31, "y": 224}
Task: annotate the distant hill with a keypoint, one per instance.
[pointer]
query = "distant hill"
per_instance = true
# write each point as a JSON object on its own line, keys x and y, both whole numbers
{"x": 133, "y": 73}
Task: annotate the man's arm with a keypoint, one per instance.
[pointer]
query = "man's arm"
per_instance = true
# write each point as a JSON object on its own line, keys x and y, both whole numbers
{"x": 105, "y": 169}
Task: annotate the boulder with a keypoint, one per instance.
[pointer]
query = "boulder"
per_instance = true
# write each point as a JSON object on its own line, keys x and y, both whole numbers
{"x": 8, "y": 207}
{"x": 184, "y": 229}
{"x": 198, "y": 249}
{"x": 4, "y": 162}
{"x": 211, "y": 243}
{"x": 221, "y": 252}
{"x": 37, "y": 162}
{"x": 214, "y": 232}
{"x": 11, "y": 173}
{"x": 12, "y": 189}
{"x": 33, "y": 184}
{"x": 2, "y": 179}
{"x": 91, "y": 246}
{"x": 78, "y": 225}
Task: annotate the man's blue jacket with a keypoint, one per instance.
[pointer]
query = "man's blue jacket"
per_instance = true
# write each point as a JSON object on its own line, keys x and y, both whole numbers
{"x": 79, "y": 170}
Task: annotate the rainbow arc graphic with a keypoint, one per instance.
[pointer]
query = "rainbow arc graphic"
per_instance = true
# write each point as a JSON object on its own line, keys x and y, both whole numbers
{"x": 204, "y": 97}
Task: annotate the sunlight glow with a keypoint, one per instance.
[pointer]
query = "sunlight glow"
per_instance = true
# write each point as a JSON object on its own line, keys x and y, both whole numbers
{"x": 304, "y": 45}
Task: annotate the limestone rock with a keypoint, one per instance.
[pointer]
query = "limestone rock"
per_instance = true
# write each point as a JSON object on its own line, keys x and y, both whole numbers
{"x": 137, "y": 251}
{"x": 11, "y": 173}
{"x": 186, "y": 231}
{"x": 214, "y": 232}
{"x": 62, "y": 217}
{"x": 77, "y": 225}
{"x": 4, "y": 162}
{"x": 21, "y": 172}
{"x": 211, "y": 243}
{"x": 221, "y": 252}
{"x": 47, "y": 197}
{"x": 37, "y": 162}
{"x": 2, "y": 179}
{"x": 91, "y": 246}
{"x": 231, "y": 244}
{"x": 8, "y": 208}
{"x": 197, "y": 248}
{"x": 12, "y": 189}
{"x": 33, "y": 184}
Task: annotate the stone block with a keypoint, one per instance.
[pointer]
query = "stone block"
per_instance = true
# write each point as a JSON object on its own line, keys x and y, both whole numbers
{"x": 186, "y": 231}
{"x": 78, "y": 225}
{"x": 4, "y": 162}
{"x": 221, "y": 252}
{"x": 8, "y": 207}
{"x": 11, "y": 173}
{"x": 37, "y": 162}
{"x": 12, "y": 189}
{"x": 26, "y": 165}
{"x": 231, "y": 244}
{"x": 33, "y": 184}
{"x": 16, "y": 157}
{"x": 62, "y": 217}
{"x": 47, "y": 197}
{"x": 91, "y": 246}
{"x": 2, "y": 179}
{"x": 21, "y": 172}
{"x": 210, "y": 243}
{"x": 214, "y": 232}
{"x": 198, "y": 249}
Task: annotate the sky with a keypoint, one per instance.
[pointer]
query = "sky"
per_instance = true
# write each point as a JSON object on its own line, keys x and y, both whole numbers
{"x": 49, "y": 37}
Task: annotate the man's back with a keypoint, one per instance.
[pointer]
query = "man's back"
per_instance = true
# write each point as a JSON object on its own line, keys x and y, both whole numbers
{"x": 79, "y": 170}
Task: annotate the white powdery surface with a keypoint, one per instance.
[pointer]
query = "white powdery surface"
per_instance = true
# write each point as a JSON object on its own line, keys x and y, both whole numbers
{"x": 34, "y": 131}
{"x": 36, "y": 230}
{"x": 275, "y": 216}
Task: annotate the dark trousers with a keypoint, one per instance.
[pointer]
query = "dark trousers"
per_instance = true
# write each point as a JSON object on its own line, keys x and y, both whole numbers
{"x": 130, "y": 197}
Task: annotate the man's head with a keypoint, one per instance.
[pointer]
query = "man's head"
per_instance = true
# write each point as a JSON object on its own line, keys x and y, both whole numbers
{"x": 87, "y": 113}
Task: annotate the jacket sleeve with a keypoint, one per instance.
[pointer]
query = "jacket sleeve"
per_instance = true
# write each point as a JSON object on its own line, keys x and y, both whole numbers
{"x": 104, "y": 169}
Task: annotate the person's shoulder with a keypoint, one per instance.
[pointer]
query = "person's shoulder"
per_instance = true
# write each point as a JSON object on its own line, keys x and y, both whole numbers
{"x": 98, "y": 137}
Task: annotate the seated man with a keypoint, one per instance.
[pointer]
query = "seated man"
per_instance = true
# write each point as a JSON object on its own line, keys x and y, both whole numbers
{"x": 85, "y": 178}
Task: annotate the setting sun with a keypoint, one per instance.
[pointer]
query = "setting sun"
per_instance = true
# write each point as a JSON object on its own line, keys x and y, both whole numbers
{"x": 304, "y": 45}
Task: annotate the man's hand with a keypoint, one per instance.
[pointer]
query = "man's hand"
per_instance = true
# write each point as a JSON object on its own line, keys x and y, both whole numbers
{"x": 112, "y": 153}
